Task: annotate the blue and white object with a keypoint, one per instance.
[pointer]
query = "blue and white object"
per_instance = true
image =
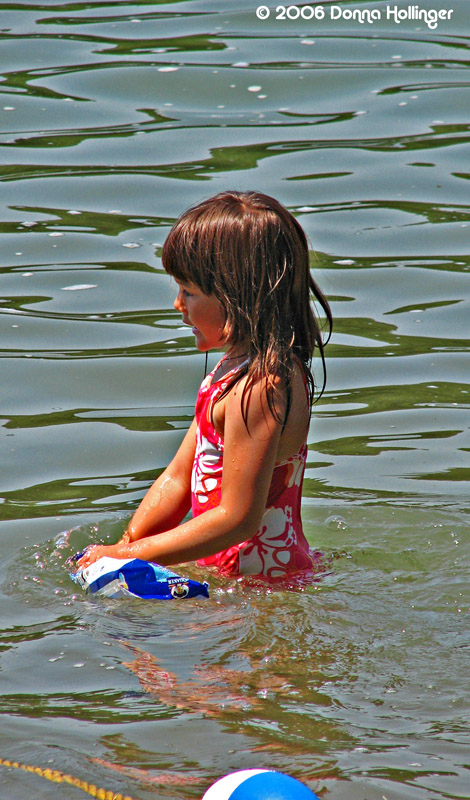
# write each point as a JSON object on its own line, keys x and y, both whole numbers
{"x": 258, "y": 784}
{"x": 132, "y": 577}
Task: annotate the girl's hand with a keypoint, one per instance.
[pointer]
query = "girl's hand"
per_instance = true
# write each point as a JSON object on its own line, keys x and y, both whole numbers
{"x": 96, "y": 551}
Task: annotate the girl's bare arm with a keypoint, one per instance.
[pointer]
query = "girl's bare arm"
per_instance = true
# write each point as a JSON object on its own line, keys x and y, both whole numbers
{"x": 249, "y": 458}
{"x": 168, "y": 500}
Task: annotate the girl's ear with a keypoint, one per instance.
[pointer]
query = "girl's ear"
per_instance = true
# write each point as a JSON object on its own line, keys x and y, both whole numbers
{"x": 227, "y": 329}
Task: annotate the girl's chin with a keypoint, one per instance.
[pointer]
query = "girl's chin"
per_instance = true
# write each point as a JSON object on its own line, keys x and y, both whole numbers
{"x": 201, "y": 343}
{"x": 204, "y": 345}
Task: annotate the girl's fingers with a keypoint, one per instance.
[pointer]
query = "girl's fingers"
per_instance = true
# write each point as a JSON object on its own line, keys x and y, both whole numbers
{"x": 88, "y": 557}
{"x": 92, "y": 553}
{"x": 72, "y": 560}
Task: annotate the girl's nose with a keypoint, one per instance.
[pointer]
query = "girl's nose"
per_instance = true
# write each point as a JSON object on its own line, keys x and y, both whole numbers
{"x": 179, "y": 304}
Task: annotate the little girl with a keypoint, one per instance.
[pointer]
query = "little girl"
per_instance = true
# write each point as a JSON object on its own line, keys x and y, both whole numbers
{"x": 241, "y": 264}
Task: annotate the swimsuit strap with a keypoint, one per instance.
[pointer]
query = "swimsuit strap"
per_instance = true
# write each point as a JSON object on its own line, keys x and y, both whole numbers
{"x": 226, "y": 374}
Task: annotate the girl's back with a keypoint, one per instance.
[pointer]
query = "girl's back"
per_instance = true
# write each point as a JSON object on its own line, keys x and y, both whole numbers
{"x": 278, "y": 547}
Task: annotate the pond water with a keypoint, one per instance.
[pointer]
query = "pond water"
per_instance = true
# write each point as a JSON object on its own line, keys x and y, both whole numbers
{"x": 114, "y": 117}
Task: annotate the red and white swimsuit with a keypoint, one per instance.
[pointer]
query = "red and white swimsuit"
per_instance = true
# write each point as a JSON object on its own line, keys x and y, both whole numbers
{"x": 279, "y": 547}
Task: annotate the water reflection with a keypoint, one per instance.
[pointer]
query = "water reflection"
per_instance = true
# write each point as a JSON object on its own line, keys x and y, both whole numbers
{"x": 112, "y": 120}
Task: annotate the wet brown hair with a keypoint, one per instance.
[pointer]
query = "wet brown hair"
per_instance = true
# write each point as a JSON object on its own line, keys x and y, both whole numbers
{"x": 248, "y": 251}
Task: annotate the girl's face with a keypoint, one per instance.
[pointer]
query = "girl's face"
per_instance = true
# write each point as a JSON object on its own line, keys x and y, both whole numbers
{"x": 204, "y": 313}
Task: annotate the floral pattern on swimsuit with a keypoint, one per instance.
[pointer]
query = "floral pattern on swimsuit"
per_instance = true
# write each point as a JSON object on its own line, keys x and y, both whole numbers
{"x": 279, "y": 547}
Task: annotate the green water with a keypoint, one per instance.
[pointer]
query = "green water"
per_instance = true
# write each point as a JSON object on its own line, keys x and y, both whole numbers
{"x": 114, "y": 117}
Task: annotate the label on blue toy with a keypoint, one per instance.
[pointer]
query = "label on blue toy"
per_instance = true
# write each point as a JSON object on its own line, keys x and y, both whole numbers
{"x": 132, "y": 577}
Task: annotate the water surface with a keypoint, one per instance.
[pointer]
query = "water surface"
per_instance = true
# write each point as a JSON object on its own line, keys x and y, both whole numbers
{"x": 113, "y": 119}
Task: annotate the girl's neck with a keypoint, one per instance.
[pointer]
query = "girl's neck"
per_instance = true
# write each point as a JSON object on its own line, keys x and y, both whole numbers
{"x": 238, "y": 352}
{"x": 235, "y": 356}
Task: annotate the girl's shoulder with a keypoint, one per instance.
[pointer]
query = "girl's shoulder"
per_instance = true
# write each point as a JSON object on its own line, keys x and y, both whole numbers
{"x": 285, "y": 417}
{"x": 268, "y": 394}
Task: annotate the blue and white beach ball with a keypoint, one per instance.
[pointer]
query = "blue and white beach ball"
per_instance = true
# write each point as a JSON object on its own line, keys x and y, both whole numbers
{"x": 258, "y": 784}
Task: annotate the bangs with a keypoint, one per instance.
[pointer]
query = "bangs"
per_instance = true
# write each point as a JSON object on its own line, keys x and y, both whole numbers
{"x": 186, "y": 255}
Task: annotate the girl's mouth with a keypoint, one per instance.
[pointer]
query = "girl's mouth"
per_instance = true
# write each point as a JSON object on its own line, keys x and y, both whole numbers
{"x": 186, "y": 321}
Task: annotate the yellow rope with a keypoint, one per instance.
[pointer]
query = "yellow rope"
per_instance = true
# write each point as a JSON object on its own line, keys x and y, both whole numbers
{"x": 56, "y": 776}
